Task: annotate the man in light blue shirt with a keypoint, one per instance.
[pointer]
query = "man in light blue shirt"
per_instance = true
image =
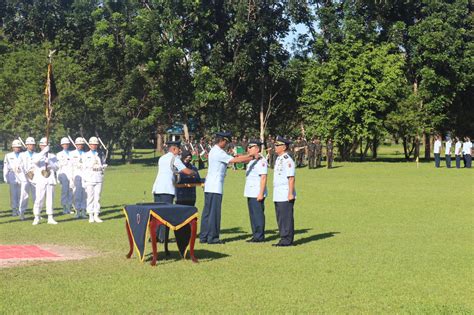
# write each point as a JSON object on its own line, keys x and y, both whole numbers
{"x": 284, "y": 193}
{"x": 256, "y": 191}
{"x": 164, "y": 188}
{"x": 213, "y": 188}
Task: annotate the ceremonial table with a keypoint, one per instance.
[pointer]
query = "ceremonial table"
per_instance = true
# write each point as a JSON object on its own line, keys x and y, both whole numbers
{"x": 144, "y": 217}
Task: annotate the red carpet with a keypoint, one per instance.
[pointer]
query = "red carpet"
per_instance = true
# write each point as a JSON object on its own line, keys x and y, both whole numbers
{"x": 23, "y": 251}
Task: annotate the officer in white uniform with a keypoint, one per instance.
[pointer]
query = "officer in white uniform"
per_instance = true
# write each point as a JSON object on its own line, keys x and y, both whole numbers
{"x": 437, "y": 150}
{"x": 27, "y": 186}
{"x": 284, "y": 193}
{"x": 213, "y": 188}
{"x": 458, "y": 152}
{"x": 78, "y": 190}
{"x": 65, "y": 175}
{"x": 45, "y": 182}
{"x": 256, "y": 191}
{"x": 164, "y": 188}
{"x": 447, "y": 152}
{"x": 466, "y": 151}
{"x": 11, "y": 176}
{"x": 94, "y": 167}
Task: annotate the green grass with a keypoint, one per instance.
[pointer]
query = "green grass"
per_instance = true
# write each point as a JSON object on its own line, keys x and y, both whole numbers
{"x": 372, "y": 237}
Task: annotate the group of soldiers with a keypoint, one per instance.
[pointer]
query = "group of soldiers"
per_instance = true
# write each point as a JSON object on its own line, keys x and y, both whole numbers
{"x": 175, "y": 162}
{"x": 305, "y": 153}
{"x": 462, "y": 151}
{"x": 34, "y": 175}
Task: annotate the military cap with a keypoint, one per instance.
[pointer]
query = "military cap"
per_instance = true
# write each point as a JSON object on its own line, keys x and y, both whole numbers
{"x": 280, "y": 140}
{"x": 254, "y": 142}
{"x": 224, "y": 135}
{"x": 173, "y": 143}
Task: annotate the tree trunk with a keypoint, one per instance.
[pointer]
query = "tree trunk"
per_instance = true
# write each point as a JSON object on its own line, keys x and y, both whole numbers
{"x": 375, "y": 145}
{"x": 186, "y": 132}
{"x": 405, "y": 148}
{"x": 427, "y": 141}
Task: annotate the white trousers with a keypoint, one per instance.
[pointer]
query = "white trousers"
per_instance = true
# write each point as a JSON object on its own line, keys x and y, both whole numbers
{"x": 79, "y": 193}
{"x": 66, "y": 190}
{"x": 15, "y": 192}
{"x": 93, "y": 191}
{"x": 26, "y": 189}
{"x": 44, "y": 192}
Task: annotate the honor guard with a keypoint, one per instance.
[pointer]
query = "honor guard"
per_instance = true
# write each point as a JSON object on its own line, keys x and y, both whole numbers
{"x": 214, "y": 186}
{"x": 458, "y": 152}
{"x": 256, "y": 191}
{"x": 45, "y": 182}
{"x": 78, "y": 190}
{"x": 164, "y": 189}
{"x": 27, "y": 186}
{"x": 284, "y": 193}
{"x": 11, "y": 176}
{"x": 94, "y": 167}
{"x": 447, "y": 152}
{"x": 65, "y": 175}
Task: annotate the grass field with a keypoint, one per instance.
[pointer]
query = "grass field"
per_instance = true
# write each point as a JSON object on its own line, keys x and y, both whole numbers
{"x": 372, "y": 237}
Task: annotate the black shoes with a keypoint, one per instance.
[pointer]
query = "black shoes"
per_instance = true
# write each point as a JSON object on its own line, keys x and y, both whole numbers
{"x": 252, "y": 240}
{"x": 216, "y": 242}
{"x": 282, "y": 245}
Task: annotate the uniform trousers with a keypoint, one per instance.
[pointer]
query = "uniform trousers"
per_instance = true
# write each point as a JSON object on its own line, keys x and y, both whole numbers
{"x": 285, "y": 220}
{"x": 44, "y": 192}
{"x": 448, "y": 160}
{"x": 26, "y": 189}
{"x": 211, "y": 218}
{"x": 257, "y": 218}
{"x": 437, "y": 159}
{"x": 15, "y": 192}
{"x": 311, "y": 161}
{"x": 318, "y": 160}
{"x": 93, "y": 191}
{"x": 66, "y": 190}
{"x": 458, "y": 161}
{"x": 79, "y": 193}
{"x": 163, "y": 231}
{"x": 467, "y": 160}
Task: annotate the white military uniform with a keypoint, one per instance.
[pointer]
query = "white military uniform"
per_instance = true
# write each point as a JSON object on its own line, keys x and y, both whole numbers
{"x": 437, "y": 147}
{"x": 11, "y": 176}
{"x": 27, "y": 185}
{"x": 164, "y": 182}
{"x": 466, "y": 148}
{"x": 457, "y": 148}
{"x": 93, "y": 179}
{"x": 66, "y": 178}
{"x": 78, "y": 190}
{"x": 447, "y": 150}
{"x": 284, "y": 168}
{"x": 44, "y": 186}
{"x": 254, "y": 170}
{"x": 218, "y": 160}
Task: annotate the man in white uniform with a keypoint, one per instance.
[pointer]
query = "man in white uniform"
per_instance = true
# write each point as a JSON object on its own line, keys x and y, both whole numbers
{"x": 256, "y": 191}
{"x": 78, "y": 190}
{"x": 94, "y": 167}
{"x": 214, "y": 186}
{"x": 11, "y": 176}
{"x": 164, "y": 188}
{"x": 437, "y": 150}
{"x": 447, "y": 152}
{"x": 65, "y": 175}
{"x": 284, "y": 193}
{"x": 27, "y": 186}
{"x": 458, "y": 152}
{"x": 466, "y": 151}
{"x": 45, "y": 182}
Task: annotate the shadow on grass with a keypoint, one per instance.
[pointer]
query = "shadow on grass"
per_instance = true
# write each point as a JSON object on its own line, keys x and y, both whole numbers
{"x": 175, "y": 256}
{"x": 313, "y": 238}
{"x": 276, "y": 235}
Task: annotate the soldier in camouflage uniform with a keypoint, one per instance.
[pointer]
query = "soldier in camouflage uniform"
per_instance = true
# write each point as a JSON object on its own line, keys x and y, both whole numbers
{"x": 312, "y": 154}
{"x": 318, "y": 152}
{"x": 329, "y": 153}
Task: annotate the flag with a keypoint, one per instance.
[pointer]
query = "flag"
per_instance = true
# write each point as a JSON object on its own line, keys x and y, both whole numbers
{"x": 50, "y": 91}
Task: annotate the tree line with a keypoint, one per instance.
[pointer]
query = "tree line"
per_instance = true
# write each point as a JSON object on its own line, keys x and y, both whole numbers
{"x": 362, "y": 71}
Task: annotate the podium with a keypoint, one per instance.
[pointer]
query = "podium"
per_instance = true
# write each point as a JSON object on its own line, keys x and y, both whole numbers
{"x": 143, "y": 219}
